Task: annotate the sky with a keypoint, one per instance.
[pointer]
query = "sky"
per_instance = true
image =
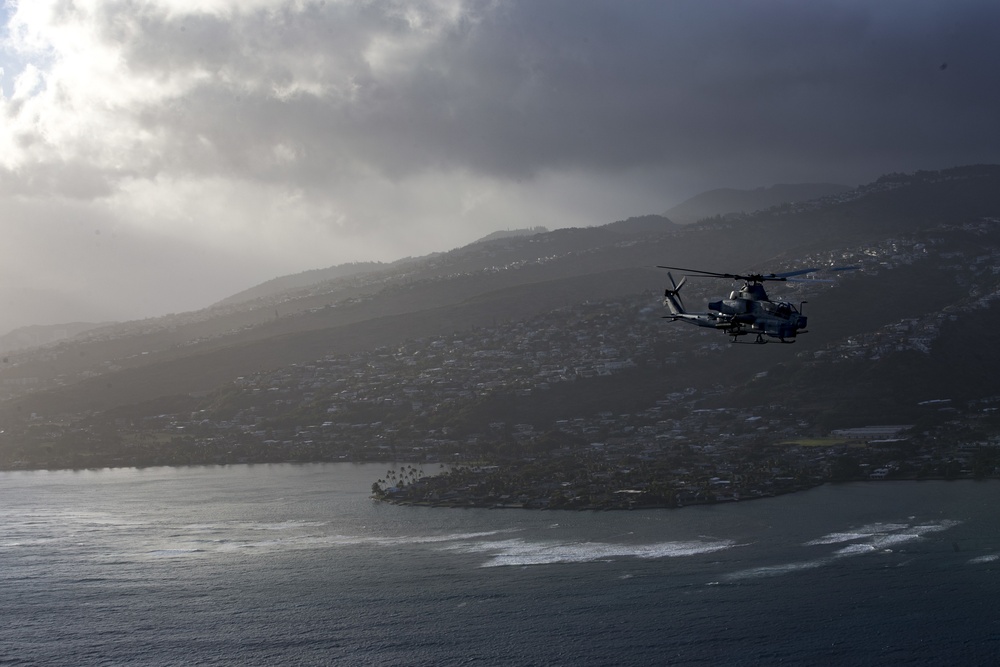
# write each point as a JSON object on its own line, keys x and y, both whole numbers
{"x": 157, "y": 156}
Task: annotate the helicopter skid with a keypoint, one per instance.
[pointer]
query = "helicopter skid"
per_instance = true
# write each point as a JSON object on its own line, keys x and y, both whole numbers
{"x": 760, "y": 340}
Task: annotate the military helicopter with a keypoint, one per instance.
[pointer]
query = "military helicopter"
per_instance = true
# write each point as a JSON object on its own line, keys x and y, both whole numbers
{"x": 748, "y": 310}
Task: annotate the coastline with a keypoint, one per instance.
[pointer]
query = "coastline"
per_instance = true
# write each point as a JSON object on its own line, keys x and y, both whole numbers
{"x": 419, "y": 494}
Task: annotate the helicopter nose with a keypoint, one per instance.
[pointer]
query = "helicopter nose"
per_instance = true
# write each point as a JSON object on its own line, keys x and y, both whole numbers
{"x": 801, "y": 324}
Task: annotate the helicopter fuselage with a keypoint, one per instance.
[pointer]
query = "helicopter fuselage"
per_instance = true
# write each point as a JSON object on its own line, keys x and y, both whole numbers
{"x": 746, "y": 311}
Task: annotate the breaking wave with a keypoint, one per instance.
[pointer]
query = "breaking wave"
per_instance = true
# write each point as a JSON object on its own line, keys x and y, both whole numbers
{"x": 867, "y": 539}
{"x": 291, "y": 535}
{"x": 882, "y": 535}
{"x": 519, "y": 552}
{"x": 988, "y": 558}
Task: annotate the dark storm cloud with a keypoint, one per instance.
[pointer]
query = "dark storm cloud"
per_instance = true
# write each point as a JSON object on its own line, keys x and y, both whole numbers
{"x": 516, "y": 88}
{"x": 546, "y": 85}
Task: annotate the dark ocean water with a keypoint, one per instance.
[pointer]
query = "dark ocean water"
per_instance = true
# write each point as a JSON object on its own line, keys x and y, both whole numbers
{"x": 294, "y": 565}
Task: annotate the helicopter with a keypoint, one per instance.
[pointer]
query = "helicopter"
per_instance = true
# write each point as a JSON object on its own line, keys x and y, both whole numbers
{"x": 748, "y": 310}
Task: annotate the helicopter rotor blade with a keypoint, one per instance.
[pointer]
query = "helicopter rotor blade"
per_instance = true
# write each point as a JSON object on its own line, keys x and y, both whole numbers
{"x": 698, "y": 273}
{"x": 789, "y": 274}
{"x": 749, "y": 277}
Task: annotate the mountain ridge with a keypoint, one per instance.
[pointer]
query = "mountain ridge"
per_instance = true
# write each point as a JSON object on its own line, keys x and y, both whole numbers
{"x": 724, "y": 202}
{"x": 905, "y": 232}
{"x": 37, "y": 335}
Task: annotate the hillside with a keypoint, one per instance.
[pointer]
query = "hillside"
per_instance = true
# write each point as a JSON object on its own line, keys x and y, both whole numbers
{"x": 512, "y": 233}
{"x": 723, "y": 202}
{"x": 39, "y": 335}
{"x": 300, "y": 280}
{"x": 565, "y": 325}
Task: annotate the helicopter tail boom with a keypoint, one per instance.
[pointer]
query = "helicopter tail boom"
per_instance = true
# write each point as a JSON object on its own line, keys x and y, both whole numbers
{"x": 672, "y": 300}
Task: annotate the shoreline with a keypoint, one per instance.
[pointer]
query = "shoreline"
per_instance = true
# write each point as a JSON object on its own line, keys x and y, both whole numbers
{"x": 539, "y": 504}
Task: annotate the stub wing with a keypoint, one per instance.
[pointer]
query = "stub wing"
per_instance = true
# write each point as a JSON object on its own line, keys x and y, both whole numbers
{"x": 713, "y": 320}
{"x": 672, "y": 300}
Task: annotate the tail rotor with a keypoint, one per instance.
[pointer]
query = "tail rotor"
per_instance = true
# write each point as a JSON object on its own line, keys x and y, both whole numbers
{"x": 672, "y": 297}
{"x": 675, "y": 292}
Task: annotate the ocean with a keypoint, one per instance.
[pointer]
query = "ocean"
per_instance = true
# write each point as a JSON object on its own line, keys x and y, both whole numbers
{"x": 294, "y": 564}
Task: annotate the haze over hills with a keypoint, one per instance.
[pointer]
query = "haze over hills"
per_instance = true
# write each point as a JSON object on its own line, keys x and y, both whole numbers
{"x": 39, "y": 335}
{"x": 300, "y": 280}
{"x": 573, "y": 318}
{"x": 730, "y": 201}
{"x": 512, "y": 233}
